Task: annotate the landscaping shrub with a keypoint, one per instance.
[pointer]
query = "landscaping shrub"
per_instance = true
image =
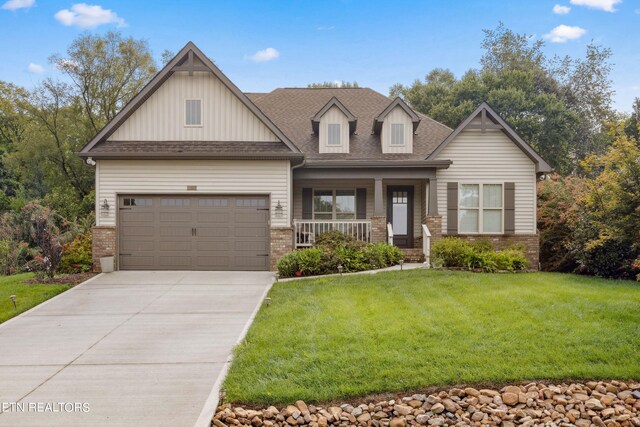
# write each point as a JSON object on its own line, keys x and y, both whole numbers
{"x": 76, "y": 255}
{"x": 333, "y": 249}
{"x": 46, "y": 237}
{"x": 454, "y": 252}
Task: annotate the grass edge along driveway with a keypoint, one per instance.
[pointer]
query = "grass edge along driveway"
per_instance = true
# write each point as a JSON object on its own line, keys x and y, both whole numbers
{"x": 27, "y": 296}
{"x": 329, "y": 338}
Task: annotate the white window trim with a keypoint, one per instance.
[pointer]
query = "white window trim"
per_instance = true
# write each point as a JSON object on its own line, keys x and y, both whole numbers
{"x": 481, "y": 209}
{"x": 404, "y": 140}
{"x": 184, "y": 112}
{"x": 340, "y": 135}
{"x": 333, "y": 204}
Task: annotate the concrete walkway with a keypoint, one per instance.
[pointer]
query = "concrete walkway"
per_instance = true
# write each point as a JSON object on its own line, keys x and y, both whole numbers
{"x": 136, "y": 348}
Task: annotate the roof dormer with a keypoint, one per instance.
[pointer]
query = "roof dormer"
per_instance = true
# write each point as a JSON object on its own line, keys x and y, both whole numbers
{"x": 396, "y": 126}
{"x": 334, "y": 124}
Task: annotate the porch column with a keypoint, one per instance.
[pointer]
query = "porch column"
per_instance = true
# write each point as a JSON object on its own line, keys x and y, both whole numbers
{"x": 379, "y": 218}
{"x": 433, "y": 197}
{"x": 378, "y": 206}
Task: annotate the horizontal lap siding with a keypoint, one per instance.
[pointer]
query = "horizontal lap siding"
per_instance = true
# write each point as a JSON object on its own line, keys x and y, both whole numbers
{"x": 210, "y": 176}
{"x": 162, "y": 116}
{"x": 490, "y": 157}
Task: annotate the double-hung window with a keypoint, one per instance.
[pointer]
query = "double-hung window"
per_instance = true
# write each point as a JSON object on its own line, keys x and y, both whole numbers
{"x": 480, "y": 208}
{"x": 333, "y": 134}
{"x": 334, "y": 204}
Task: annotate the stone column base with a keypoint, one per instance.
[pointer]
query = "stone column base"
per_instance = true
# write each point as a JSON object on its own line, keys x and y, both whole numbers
{"x": 281, "y": 244}
{"x": 378, "y": 229}
{"x": 104, "y": 244}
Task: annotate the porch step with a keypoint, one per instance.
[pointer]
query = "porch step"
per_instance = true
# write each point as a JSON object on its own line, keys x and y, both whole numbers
{"x": 413, "y": 254}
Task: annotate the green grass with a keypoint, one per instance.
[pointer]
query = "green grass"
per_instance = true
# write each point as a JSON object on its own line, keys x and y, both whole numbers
{"x": 330, "y": 338}
{"x": 27, "y": 296}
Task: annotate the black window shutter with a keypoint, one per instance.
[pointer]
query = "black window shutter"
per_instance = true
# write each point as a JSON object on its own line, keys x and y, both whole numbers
{"x": 509, "y": 207}
{"x": 307, "y": 203}
{"x": 452, "y": 208}
{"x": 361, "y": 203}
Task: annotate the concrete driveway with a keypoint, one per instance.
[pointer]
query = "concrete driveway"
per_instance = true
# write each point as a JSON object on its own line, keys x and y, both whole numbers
{"x": 134, "y": 348}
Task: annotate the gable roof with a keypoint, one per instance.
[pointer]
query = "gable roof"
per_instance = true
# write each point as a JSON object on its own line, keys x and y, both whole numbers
{"x": 290, "y": 109}
{"x": 486, "y": 111}
{"x": 398, "y": 102}
{"x": 334, "y": 102}
{"x": 183, "y": 61}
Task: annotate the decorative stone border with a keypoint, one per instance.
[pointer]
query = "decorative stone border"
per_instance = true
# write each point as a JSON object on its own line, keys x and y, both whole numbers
{"x": 601, "y": 404}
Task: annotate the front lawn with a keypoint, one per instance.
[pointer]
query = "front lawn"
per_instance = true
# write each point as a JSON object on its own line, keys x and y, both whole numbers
{"x": 329, "y": 338}
{"x": 27, "y": 295}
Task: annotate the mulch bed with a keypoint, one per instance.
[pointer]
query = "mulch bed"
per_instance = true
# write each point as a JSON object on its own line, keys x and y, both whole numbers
{"x": 63, "y": 279}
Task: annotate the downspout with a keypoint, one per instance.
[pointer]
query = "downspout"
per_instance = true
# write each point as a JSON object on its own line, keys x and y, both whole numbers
{"x": 304, "y": 160}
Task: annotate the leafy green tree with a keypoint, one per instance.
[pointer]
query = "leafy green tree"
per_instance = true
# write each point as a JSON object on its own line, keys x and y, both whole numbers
{"x": 341, "y": 84}
{"x": 632, "y": 124}
{"x": 106, "y": 71}
{"x": 559, "y": 106}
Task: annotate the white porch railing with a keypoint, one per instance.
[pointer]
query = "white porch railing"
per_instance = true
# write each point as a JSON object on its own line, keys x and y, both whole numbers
{"x": 389, "y": 233}
{"x": 306, "y": 230}
{"x": 426, "y": 245}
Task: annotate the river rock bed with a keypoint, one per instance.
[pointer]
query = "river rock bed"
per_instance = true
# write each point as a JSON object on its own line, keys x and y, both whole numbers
{"x": 599, "y": 404}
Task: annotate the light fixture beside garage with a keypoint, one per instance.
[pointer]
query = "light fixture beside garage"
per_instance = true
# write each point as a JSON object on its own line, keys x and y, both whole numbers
{"x": 279, "y": 210}
{"x": 104, "y": 208}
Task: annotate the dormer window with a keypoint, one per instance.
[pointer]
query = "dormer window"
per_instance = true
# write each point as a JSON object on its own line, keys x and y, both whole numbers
{"x": 397, "y": 134}
{"x": 193, "y": 112}
{"x": 333, "y": 134}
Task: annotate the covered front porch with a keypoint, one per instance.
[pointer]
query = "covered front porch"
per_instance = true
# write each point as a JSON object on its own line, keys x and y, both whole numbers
{"x": 396, "y": 205}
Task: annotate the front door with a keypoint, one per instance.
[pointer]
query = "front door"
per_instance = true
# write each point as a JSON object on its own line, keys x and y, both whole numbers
{"x": 400, "y": 214}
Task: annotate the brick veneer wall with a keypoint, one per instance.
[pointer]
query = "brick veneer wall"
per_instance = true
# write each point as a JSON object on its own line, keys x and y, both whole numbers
{"x": 434, "y": 223}
{"x": 104, "y": 244}
{"x": 378, "y": 229}
{"x": 281, "y": 244}
{"x": 531, "y": 243}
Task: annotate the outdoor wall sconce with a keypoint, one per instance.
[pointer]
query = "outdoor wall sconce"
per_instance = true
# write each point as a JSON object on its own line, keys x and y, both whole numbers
{"x": 279, "y": 210}
{"x": 104, "y": 208}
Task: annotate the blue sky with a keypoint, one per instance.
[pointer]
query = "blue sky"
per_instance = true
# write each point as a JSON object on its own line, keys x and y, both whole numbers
{"x": 373, "y": 42}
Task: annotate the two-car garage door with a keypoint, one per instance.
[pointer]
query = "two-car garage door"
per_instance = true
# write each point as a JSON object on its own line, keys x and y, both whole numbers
{"x": 177, "y": 232}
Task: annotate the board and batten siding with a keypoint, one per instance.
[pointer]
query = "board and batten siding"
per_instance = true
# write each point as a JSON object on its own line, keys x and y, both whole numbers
{"x": 117, "y": 177}
{"x": 162, "y": 116}
{"x": 397, "y": 115}
{"x": 334, "y": 116}
{"x": 490, "y": 157}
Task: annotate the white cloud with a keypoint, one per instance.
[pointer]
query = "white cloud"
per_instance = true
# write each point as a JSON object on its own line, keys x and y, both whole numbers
{"x": 635, "y": 88}
{"x": 561, "y": 10}
{"x": 35, "y": 68}
{"x": 88, "y": 16}
{"x": 606, "y": 5}
{"x": 564, "y": 33}
{"x": 332, "y": 27}
{"x": 264, "y": 55}
{"x": 18, "y": 4}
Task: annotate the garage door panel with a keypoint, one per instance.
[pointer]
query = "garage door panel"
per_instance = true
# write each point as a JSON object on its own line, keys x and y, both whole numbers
{"x": 130, "y": 216}
{"x": 136, "y": 262}
{"x": 194, "y": 232}
{"x": 138, "y": 231}
{"x": 173, "y": 217}
{"x": 251, "y": 246}
{"x": 214, "y": 245}
{"x": 137, "y": 245}
{"x": 251, "y": 232}
{"x": 214, "y": 217}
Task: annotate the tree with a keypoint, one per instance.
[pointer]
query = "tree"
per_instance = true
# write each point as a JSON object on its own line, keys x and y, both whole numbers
{"x": 557, "y": 105}
{"x": 106, "y": 71}
{"x": 13, "y": 124}
{"x": 336, "y": 84}
{"x": 102, "y": 73}
{"x": 632, "y": 124}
